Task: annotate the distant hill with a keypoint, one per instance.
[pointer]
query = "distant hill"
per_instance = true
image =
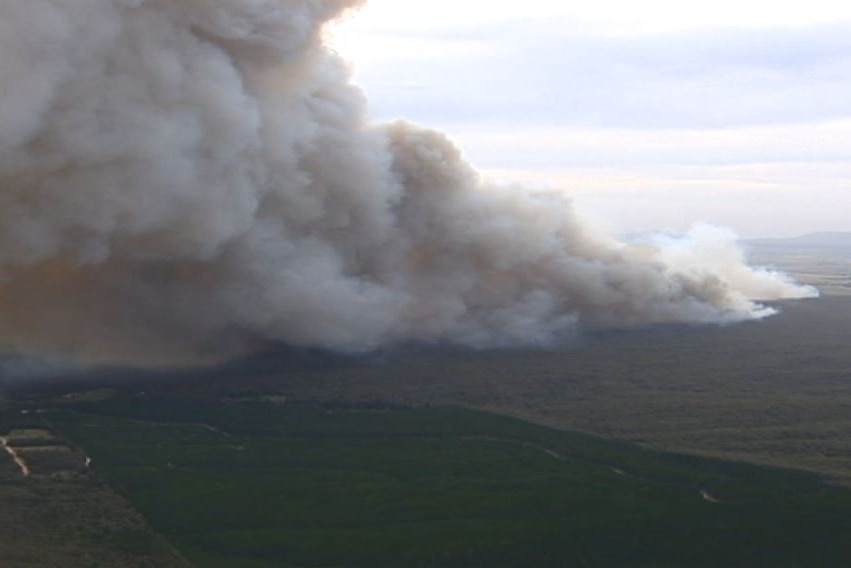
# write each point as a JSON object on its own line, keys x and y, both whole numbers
{"x": 822, "y": 260}
{"x": 826, "y": 243}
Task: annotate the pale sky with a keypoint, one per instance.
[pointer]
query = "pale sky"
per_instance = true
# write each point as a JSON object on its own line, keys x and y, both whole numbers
{"x": 653, "y": 115}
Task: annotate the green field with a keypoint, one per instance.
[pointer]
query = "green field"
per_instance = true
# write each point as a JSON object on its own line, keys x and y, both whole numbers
{"x": 256, "y": 483}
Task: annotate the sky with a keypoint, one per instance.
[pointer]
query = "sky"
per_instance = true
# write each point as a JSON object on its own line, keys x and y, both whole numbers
{"x": 652, "y": 116}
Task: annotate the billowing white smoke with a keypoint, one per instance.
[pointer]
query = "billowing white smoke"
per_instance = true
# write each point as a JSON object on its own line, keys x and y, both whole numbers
{"x": 191, "y": 178}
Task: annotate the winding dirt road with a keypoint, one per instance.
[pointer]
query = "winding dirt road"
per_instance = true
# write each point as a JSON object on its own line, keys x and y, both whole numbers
{"x": 17, "y": 459}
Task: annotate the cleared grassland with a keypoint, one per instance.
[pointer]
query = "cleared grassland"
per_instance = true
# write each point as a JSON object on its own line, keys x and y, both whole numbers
{"x": 73, "y": 522}
{"x": 257, "y": 484}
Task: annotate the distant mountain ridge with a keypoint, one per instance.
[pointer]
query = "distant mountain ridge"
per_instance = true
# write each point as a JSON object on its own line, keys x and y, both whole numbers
{"x": 824, "y": 244}
{"x": 820, "y": 239}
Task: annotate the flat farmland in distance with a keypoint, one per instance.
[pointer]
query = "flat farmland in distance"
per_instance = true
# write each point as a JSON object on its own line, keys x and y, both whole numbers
{"x": 777, "y": 391}
{"x": 820, "y": 259}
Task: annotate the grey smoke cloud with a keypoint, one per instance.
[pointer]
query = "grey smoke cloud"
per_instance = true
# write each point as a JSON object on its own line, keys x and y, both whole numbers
{"x": 187, "y": 179}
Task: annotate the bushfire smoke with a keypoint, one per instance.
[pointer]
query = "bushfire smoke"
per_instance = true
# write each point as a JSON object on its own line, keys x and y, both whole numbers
{"x": 184, "y": 179}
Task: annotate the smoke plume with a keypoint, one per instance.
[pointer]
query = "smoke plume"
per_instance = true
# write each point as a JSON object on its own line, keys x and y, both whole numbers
{"x": 188, "y": 179}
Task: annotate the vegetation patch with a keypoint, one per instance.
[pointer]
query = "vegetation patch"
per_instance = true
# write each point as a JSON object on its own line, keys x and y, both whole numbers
{"x": 260, "y": 484}
{"x": 30, "y": 436}
{"x": 73, "y": 519}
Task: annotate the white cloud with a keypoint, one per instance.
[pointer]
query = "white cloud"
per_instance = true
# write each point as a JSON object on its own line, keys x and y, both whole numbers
{"x": 714, "y": 79}
{"x": 744, "y": 98}
{"x": 544, "y": 148}
{"x": 613, "y": 17}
